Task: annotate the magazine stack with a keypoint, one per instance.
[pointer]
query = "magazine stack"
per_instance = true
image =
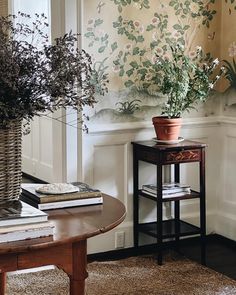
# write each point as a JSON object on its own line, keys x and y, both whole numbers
{"x": 169, "y": 190}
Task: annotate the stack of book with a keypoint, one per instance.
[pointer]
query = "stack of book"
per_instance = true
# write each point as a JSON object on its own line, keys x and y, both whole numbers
{"x": 169, "y": 190}
{"x": 20, "y": 221}
{"x": 40, "y": 197}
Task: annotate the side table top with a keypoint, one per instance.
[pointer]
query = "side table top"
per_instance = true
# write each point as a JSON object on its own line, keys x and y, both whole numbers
{"x": 186, "y": 144}
{"x": 74, "y": 224}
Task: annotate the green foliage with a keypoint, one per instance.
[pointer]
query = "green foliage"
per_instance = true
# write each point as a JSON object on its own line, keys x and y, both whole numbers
{"x": 185, "y": 81}
{"x": 127, "y": 107}
{"x": 99, "y": 76}
{"x": 128, "y": 28}
{"x": 96, "y": 36}
{"x": 230, "y": 72}
{"x": 140, "y": 4}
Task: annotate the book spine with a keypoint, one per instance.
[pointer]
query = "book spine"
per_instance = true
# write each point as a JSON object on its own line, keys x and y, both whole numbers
{"x": 167, "y": 191}
{"x": 23, "y": 235}
{"x": 61, "y": 197}
{"x": 167, "y": 195}
{"x": 62, "y": 204}
{"x": 72, "y": 203}
{"x": 29, "y": 201}
{"x": 65, "y": 197}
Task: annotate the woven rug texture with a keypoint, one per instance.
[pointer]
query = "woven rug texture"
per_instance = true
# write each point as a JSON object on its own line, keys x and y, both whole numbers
{"x": 131, "y": 276}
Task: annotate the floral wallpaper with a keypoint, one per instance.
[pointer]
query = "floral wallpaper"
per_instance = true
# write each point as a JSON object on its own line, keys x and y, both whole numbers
{"x": 125, "y": 36}
{"x": 228, "y": 54}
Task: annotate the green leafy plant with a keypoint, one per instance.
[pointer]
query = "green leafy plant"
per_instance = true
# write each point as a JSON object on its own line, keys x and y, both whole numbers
{"x": 128, "y": 107}
{"x": 230, "y": 72}
{"x": 185, "y": 80}
{"x": 36, "y": 76}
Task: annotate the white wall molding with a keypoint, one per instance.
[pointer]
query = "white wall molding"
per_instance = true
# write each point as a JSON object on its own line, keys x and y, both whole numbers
{"x": 218, "y": 132}
{"x": 225, "y": 120}
{"x": 126, "y": 127}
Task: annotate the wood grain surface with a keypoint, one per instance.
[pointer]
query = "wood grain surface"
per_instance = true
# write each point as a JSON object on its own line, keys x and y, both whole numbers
{"x": 74, "y": 224}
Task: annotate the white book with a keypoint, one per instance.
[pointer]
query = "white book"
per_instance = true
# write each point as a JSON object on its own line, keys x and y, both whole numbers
{"x": 165, "y": 196}
{"x": 26, "y": 231}
{"x": 72, "y": 203}
{"x": 167, "y": 188}
{"x": 66, "y": 204}
{"x": 18, "y": 212}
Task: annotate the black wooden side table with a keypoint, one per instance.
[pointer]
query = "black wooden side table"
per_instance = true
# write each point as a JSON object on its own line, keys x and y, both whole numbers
{"x": 160, "y": 155}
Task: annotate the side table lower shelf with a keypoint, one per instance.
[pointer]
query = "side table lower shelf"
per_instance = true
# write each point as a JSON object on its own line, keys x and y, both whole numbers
{"x": 170, "y": 229}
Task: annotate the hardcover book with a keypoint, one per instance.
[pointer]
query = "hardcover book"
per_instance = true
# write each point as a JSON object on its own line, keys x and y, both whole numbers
{"x": 84, "y": 192}
{"x": 25, "y": 231}
{"x": 167, "y": 188}
{"x": 62, "y": 204}
{"x": 172, "y": 195}
{"x": 18, "y": 212}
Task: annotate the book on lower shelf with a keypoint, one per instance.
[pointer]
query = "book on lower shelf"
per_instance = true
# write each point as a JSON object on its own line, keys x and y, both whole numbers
{"x": 85, "y": 196}
{"x": 169, "y": 190}
{"x": 166, "y": 196}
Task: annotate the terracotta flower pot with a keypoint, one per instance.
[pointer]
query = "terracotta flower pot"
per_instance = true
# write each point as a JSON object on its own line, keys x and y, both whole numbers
{"x": 167, "y": 129}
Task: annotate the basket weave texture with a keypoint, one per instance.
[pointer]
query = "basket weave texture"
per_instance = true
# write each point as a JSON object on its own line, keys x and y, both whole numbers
{"x": 10, "y": 162}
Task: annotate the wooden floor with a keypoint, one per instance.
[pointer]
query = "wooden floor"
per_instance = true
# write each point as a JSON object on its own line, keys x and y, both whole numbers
{"x": 221, "y": 255}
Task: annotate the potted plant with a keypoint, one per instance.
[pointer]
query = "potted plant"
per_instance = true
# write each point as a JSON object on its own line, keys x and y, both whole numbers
{"x": 185, "y": 80}
{"x": 35, "y": 77}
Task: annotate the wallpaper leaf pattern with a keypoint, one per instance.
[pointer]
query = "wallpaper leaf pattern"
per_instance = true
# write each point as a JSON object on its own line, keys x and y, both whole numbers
{"x": 133, "y": 60}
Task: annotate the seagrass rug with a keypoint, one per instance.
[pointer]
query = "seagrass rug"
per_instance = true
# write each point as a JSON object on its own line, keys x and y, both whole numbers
{"x": 131, "y": 276}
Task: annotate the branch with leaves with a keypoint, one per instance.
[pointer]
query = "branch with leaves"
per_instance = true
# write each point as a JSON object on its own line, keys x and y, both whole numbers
{"x": 35, "y": 79}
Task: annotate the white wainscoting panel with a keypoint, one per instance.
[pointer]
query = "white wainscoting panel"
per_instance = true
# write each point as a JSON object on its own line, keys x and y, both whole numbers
{"x": 110, "y": 170}
{"x": 226, "y": 217}
{"x": 37, "y": 149}
{"x": 107, "y": 164}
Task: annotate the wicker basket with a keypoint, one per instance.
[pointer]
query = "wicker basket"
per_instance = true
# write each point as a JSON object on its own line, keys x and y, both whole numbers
{"x": 10, "y": 161}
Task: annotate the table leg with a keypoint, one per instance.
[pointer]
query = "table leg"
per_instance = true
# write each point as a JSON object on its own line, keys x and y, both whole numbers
{"x": 77, "y": 287}
{"x": 79, "y": 272}
{"x": 2, "y": 283}
{"x": 159, "y": 214}
{"x": 203, "y": 208}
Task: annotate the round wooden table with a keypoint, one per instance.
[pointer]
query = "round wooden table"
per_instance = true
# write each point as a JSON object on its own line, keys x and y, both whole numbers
{"x": 67, "y": 249}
